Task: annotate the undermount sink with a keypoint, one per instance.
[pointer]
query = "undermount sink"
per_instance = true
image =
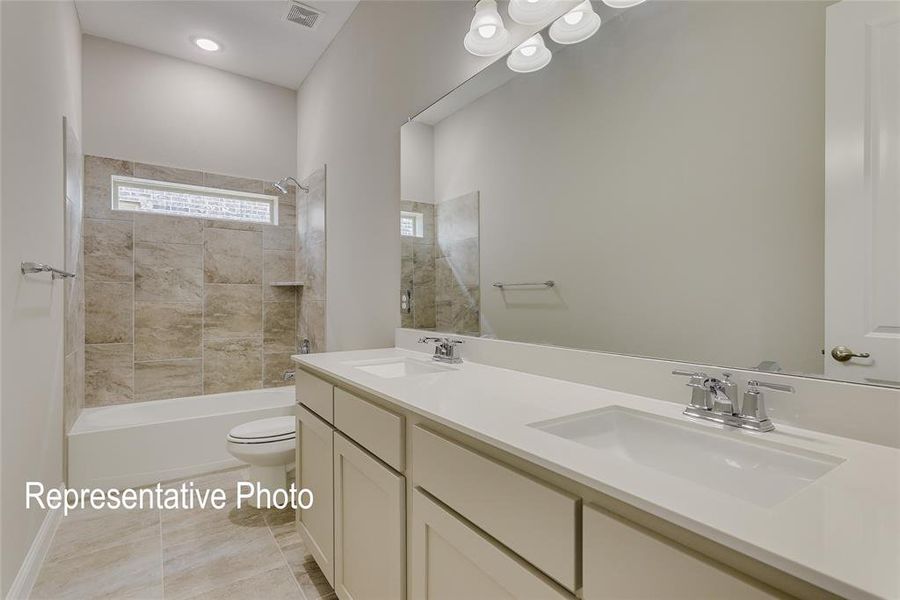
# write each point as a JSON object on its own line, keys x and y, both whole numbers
{"x": 393, "y": 368}
{"x": 760, "y": 472}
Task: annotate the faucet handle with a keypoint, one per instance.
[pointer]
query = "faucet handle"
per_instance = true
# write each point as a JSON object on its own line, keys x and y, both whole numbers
{"x": 778, "y": 387}
{"x": 700, "y": 395}
{"x": 753, "y": 408}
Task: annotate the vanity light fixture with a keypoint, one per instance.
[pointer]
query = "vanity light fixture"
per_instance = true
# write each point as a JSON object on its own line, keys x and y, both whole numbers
{"x": 207, "y": 44}
{"x": 531, "y": 12}
{"x": 622, "y": 3}
{"x": 487, "y": 36}
{"x": 575, "y": 26}
{"x": 529, "y": 56}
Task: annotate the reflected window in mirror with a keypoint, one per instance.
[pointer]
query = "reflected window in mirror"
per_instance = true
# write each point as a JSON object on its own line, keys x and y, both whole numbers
{"x": 412, "y": 224}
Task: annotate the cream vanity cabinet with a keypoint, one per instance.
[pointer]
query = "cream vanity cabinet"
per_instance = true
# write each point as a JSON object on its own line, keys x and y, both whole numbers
{"x": 452, "y": 559}
{"x": 350, "y": 453}
{"x": 482, "y": 524}
{"x": 315, "y": 444}
{"x": 625, "y": 560}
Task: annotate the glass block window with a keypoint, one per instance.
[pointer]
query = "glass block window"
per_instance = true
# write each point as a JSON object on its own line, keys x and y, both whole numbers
{"x": 176, "y": 199}
{"x": 412, "y": 224}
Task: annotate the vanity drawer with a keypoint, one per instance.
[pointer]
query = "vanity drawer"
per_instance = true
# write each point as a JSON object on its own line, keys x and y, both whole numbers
{"x": 536, "y": 521}
{"x": 315, "y": 394}
{"x": 622, "y": 559}
{"x": 377, "y": 430}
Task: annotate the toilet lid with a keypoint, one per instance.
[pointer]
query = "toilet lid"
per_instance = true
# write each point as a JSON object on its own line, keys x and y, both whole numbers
{"x": 274, "y": 427}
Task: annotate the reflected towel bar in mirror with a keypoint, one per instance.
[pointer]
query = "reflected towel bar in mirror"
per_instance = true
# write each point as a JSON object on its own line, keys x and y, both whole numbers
{"x": 33, "y": 267}
{"x": 549, "y": 283}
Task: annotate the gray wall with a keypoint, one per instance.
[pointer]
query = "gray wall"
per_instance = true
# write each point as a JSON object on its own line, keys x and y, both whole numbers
{"x": 669, "y": 174}
{"x": 146, "y": 107}
{"x": 390, "y": 60}
{"x": 40, "y": 66}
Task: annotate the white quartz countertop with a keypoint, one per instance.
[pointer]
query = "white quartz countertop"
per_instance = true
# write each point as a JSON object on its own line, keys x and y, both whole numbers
{"x": 841, "y": 532}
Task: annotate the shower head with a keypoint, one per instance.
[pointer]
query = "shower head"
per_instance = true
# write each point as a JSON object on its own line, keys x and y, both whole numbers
{"x": 281, "y": 185}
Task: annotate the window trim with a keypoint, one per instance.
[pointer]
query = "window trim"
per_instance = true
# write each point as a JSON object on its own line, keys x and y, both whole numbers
{"x": 199, "y": 190}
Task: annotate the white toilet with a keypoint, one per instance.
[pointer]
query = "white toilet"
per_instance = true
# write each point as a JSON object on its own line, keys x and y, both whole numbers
{"x": 267, "y": 445}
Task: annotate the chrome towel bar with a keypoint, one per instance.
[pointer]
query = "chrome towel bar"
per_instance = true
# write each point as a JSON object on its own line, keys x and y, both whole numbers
{"x": 549, "y": 283}
{"x": 33, "y": 267}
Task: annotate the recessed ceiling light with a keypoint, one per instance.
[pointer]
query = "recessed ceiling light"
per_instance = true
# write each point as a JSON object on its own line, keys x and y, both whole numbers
{"x": 207, "y": 44}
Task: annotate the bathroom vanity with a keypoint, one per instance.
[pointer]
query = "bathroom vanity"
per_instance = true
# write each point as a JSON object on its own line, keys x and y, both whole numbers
{"x": 471, "y": 481}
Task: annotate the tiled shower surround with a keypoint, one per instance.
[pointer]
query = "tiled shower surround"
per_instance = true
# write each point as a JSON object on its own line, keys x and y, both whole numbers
{"x": 73, "y": 297}
{"x": 441, "y": 268}
{"x": 181, "y": 306}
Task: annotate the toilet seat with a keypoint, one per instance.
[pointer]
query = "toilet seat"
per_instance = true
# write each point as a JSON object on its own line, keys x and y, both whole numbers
{"x": 264, "y": 431}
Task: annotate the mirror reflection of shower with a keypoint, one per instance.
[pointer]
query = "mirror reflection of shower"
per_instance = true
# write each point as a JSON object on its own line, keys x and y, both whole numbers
{"x": 282, "y": 185}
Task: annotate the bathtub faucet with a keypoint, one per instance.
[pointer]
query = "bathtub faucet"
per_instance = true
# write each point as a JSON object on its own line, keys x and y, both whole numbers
{"x": 288, "y": 375}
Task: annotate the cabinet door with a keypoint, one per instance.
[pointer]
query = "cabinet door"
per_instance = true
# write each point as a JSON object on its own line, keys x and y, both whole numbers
{"x": 453, "y": 560}
{"x": 625, "y": 561}
{"x": 369, "y": 526}
{"x": 315, "y": 471}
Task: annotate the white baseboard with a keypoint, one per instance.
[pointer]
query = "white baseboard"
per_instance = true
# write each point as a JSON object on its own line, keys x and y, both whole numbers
{"x": 31, "y": 566}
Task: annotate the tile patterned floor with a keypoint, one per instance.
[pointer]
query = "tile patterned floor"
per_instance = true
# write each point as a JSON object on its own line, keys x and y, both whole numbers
{"x": 182, "y": 554}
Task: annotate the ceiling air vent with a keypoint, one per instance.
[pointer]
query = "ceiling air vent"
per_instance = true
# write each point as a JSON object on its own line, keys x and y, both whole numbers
{"x": 303, "y": 15}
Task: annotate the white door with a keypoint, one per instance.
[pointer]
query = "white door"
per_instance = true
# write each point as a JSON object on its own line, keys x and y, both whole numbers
{"x": 862, "y": 161}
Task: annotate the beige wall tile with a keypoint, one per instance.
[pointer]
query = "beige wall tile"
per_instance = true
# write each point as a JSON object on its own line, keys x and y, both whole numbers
{"x": 169, "y": 174}
{"x": 457, "y": 218}
{"x": 279, "y": 326}
{"x": 167, "y": 272}
{"x": 287, "y": 211}
{"x": 166, "y": 229}
{"x": 423, "y": 260}
{"x": 314, "y": 248}
{"x": 312, "y": 322}
{"x": 274, "y": 366}
{"x": 108, "y": 374}
{"x": 278, "y": 237}
{"x": 73, "y": 387}
{"x": 278, "y": 265}
{"x": 74, "y": 323}
{"x": 232, "y": 311}
{"x": 161, "y": 379}
{"x": 236, "y": 184}
{"x": 230, "y": 365}
{"x": 424, "y": 307}
{"x": 165, "y": 330}
{"x": 97, "y": 187}
{"x": 108, "y": 312}
{"x": 108, "y": 250}
{"x": 233, "y": 225}
{"x": 232, "y": 256}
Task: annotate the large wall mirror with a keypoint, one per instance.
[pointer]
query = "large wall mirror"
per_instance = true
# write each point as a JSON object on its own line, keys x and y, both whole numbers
{"x": 710, "y": 182}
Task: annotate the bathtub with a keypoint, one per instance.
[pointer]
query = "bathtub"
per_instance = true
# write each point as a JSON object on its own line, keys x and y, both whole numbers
{"x": 142, "y": 443}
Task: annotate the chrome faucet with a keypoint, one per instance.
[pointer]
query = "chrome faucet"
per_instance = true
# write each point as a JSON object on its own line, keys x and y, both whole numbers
{"x": 716, "y": 400}
{"x": 446, "y": 349}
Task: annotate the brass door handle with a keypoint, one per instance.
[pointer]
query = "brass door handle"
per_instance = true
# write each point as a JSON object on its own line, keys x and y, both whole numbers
{"x": 843, "y": 354}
